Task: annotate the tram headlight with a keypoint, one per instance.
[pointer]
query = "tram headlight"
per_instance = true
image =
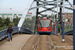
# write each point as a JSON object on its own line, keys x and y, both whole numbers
{"x": 40, "y": 27}
{"x": 49, "y": 28}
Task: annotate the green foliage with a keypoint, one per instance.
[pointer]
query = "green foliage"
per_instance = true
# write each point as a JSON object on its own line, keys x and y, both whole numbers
{"x": 68, "y": 27}
{"x": 11, "y": 25}
{"x": 1, "y": 22}
{"x": 50, "y": 16}
{"x": 68, "y": 20}
{"x": 4, "y": 22}
{"x": 30, "y": 23}
{"x": 16, "y": 20}
{"x": 7, "y": 21}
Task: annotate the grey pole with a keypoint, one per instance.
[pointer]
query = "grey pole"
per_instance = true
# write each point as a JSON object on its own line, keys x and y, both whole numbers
{"x": 57, "y": 17}
{"x": 61, "y": 18}
{"x": 74, "y": 25}
{"x": 63, "y": 39}
{"x": 54, "y": 21}
{"x": 36, "y": 28}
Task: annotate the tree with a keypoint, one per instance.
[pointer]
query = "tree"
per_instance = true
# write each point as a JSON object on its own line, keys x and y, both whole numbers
{"x": 16, "y": 20}
{"x": 68, "y": 20}
{"x": 50, "y": 16}
{"x": 7, "y": 21}
{"x": 1, "y": 22}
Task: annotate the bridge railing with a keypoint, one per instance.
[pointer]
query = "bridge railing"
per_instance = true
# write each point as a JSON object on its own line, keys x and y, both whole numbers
{"x": 3, "y": 32}
{"x": 68, "y": 23}
{"x": 26, "y": 30}
{"x": 15, "y": 30}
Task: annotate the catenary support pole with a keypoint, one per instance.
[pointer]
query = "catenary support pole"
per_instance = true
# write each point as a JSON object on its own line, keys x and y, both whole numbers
{"x": 57, "y": 17}
{"x": 36, "y": 19}
{"x": 61, "y": 18}
{"x": 73, "y": 24}
{"x": 63, "y": 39}
{"x": 54, "y": 21}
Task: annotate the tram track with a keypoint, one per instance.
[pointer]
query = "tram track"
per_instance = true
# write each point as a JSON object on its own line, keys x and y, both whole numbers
{"x": 45, "y": 44}
{"x": 51, "y": 43}
{"x": 69, "y": 38}
{"x": 36, "y": 43}
{"x": 30, "y": 44}
{"x": 40, "y": 42}
{"x": 54, "y": 43}
{"x": 59, "y": 45}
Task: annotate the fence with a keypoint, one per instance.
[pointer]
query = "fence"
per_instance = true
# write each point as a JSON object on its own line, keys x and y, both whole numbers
{"x": 15, "y": 30}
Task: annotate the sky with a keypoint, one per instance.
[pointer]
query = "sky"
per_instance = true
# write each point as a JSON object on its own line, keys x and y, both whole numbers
{"x": 18, "y": 6}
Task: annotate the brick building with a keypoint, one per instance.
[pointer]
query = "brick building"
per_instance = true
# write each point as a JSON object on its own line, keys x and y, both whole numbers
{"x": 68, "y": 18}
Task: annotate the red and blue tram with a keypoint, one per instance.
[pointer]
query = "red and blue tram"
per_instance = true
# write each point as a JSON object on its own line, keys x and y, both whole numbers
{"x": 44, "y": 25}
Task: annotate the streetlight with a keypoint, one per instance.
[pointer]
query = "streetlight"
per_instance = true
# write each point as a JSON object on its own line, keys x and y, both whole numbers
{"x": 10, "y": 10}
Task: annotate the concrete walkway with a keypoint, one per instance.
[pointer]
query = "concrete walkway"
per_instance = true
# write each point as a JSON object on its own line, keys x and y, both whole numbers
{"x": 16, "y": 43}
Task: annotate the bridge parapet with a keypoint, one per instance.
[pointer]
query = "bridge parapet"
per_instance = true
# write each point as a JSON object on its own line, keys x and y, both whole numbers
{"x": 15, "y": 30}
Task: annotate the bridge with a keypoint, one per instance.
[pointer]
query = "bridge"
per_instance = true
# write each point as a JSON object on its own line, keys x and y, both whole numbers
{"x": 26, "y": 30}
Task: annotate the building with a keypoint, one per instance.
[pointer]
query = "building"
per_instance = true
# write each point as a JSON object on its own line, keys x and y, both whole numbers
{"x": 69, "y": 18}
{"x": 14, "y": 15}
{"x": 29, "y": 15}
{"x": 10, "y": 15}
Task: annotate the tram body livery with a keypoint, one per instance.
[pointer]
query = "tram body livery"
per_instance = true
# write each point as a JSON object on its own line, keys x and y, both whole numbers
{"x": 44, "y": 25}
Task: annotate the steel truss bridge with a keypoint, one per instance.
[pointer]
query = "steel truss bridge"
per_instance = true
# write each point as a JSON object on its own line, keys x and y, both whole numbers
{"x": 57, "y": 7}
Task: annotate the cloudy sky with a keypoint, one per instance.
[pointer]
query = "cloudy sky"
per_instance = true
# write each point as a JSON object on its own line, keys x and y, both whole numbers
{"x": 18, "y": 6}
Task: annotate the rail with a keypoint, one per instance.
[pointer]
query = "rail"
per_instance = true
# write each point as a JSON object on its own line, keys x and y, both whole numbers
{"x": 51, "y": 43}
{"x": 36, "y": 44}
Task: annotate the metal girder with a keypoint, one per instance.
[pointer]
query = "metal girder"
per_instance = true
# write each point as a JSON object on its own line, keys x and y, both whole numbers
{"x": 47, "y": 9}
{"x": 48, "y": 1}
{"x": 69, "y": 8}
{"x": 50, "y": 8}
{"x": 70, "y": 4}
{"x": 65, "y": 7}
{"x": 41, "y": 14}
{"x": 22, "y": 20}
{"x": 38, "y": 6}
{"x": 48, "y": 4}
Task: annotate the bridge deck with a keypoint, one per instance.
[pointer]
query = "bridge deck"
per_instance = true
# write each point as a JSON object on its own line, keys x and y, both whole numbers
{"x": 22, "y": 42}
{"x": 16, "y": 43}
{"x": 58, "y": 45}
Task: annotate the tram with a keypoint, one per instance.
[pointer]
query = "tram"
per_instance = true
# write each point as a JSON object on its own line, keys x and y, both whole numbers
{"x": 44, "y": 25}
